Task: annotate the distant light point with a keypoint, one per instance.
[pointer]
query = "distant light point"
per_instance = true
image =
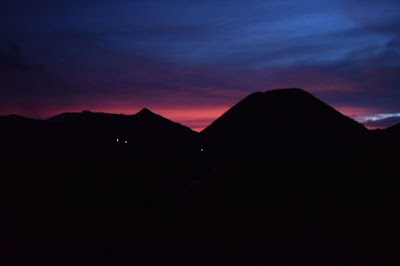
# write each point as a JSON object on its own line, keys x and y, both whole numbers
{"x": 117, "y": 140}
{"x": 201, "y": 149}
{"x": 126, "y": 141}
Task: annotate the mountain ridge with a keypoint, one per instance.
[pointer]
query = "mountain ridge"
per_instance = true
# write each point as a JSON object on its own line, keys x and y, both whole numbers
{"x": 274, "y": 122}
{"x": 282, "y": 120}
{"x": 95, "y": 133}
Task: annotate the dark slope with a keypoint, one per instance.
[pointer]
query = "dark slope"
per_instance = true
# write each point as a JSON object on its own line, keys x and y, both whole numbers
{"x": 139, "y": 134}
{"x": 20, "y": 134}
{"x": 387, "y": 141}
{"x": 88, "y": 133}
{"x": 143, "y": 210}
{"x": 285, "y": 121}
{"x": 156, "y": 132}
{"x": 392, "y": 136}
{"x": 395, "y": 130}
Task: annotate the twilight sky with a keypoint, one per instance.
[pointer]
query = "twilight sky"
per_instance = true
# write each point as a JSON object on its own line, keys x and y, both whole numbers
{"x": 190, "y": 61}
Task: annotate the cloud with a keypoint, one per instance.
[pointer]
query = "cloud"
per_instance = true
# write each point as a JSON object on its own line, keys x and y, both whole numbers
{"x": 118, "y": 82}
{"x": 129, "y": 54}
{"x": 20, "y": 76}
{"x": 12, "y": 59}
{"x": 377, "y": 117}
{"x": 375, "y": 15}
{"x": 379, "y": 120}
{"x": 25, "y": 85}
{"x": 261, "y": 34}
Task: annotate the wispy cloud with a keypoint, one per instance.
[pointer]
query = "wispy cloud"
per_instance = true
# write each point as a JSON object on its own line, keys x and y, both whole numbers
{"x": 376, "y": 117}
{"x": 131, "y": 54}
{"x": 379, "y": 120}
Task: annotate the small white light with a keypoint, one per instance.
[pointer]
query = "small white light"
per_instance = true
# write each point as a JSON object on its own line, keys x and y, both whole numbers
{"x": 117, "y": 140}
{"x": 201, "y": 150}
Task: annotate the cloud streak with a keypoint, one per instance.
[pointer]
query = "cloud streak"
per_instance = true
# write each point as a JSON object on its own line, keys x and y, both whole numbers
{"x": 197, "y": 58}
{"x": 379, "y": 120}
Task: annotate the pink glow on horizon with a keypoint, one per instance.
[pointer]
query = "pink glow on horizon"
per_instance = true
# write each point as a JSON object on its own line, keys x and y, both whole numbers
{"x": 195, "y": 117}
{"x": 354, "y": 111}
{"x": 373, "y": 128}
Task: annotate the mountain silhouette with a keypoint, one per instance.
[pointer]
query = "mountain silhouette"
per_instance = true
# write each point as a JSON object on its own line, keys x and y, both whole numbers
{"x": 20, "y": 134}
{"x": 276, "y": 122}
{"x": 86, "y": 116}
{"x": 141, "y": 133}
{"x": 395, "y": 129}
{"x": 143, "y": 190}
{"x": 144, "y": 133}
{"x": 283, "y": 121}
{"x": 387, "y": 141}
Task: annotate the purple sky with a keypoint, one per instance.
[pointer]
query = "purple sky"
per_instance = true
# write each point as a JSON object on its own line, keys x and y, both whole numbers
{"x": 191, "y": 60}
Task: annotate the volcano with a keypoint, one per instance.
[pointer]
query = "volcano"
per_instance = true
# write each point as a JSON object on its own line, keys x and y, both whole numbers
{"x": 283, "y": 121}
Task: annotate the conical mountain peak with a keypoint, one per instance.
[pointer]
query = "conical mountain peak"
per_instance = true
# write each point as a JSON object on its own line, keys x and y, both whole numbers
{"x": 284, "y": 120}
{"x": 145, "y": 111}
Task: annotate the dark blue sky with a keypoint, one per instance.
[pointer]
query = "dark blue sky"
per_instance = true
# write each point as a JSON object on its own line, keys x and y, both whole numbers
{"x": 191, "y": 60}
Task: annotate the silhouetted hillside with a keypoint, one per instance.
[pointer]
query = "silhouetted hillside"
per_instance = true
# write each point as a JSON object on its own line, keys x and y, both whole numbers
{"x": 74, "y": 195}
{"x": 395, "y": 130}
{"x": 285, "y": 121}
{"x": 387, "y": 141}
{"x": 144, "y": 133}
{"x": 20, "y": 134}
{"x": 382, "y": 123}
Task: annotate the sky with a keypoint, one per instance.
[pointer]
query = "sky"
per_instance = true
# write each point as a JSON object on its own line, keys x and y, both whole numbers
{"x": 190, "y": 61}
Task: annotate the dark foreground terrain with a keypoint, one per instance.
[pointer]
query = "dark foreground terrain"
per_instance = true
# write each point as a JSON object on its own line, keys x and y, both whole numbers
{"x": 200, "y": 211}
{"x": 260, "y": 186}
